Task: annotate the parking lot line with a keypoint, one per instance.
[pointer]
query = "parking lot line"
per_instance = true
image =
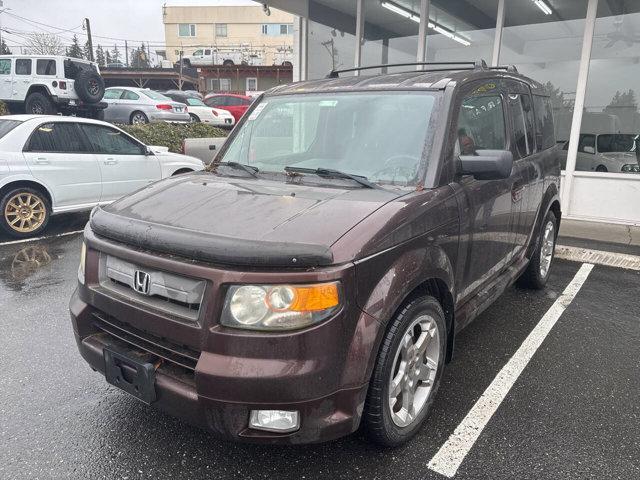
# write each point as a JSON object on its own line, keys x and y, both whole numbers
{"x": 453, "y": 452}
{"x": 12, "y": 242}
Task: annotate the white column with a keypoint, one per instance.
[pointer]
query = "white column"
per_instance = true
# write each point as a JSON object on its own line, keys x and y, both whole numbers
{"x": 359, "y": 33}
{"x": 300, "y": 38}
{"x": 581, "y": 89}
{"x": 422, "y": 33}
{"x": 497, "y": 40}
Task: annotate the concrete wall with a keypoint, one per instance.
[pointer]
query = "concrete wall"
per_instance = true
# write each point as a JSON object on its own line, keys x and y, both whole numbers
{"x": 244, "y": 26}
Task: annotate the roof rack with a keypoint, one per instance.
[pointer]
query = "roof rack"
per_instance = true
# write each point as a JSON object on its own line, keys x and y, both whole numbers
{"x": 478, "y": 64}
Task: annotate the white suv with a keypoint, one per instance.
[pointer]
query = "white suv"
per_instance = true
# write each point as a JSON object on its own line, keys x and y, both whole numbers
{"x": 48, "y": 84}
{"x": 54, "y": 164}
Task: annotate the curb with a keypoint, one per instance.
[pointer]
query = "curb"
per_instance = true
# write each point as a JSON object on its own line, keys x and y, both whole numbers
{"x": 598, "y": 257}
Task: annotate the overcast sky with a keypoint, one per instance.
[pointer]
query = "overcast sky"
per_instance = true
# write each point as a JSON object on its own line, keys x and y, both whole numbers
{"x": 135, "y": 20}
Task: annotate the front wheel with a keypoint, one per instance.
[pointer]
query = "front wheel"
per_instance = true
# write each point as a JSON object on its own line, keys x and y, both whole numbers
{"x": 407, "y": 373}
{"x": 537, "y": 272}
{"x": 25, "y": 212}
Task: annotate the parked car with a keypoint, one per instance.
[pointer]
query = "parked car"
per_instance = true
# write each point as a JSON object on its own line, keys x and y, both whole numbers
{"x": 188, "y": 93}
{"x": 241, "y": 55}
{"x": 234, "y": 104}
{"x": 313, "y": 279}
{"x": 607, "y": 152}
{"x": 200, "y": 112}
{"x": 55, "y": 164}
{"x": 141, "y": 105}
{"x": 50, "y": 84}
{"x": 204, "y": 148}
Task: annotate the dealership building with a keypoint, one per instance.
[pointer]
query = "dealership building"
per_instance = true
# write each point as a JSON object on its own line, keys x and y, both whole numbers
{"x": 586, "y": 53}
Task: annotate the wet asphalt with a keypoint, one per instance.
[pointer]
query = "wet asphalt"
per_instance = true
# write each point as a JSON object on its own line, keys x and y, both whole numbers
{"x": 574, "y": 413}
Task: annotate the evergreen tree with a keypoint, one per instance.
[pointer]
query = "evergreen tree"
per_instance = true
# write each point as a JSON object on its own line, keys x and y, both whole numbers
{"x": 86, "y": 51}
{"x": 100, "y": 58}
{"x": 107, "y": 57}
{"x": 75, "y": 50}
{"x": 115, "y": 54}
{"x": 139, "y": 58}
{"x": 4, "y": 50}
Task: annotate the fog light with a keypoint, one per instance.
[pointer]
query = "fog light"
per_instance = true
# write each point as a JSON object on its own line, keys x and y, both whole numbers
{"x": 281, "y": 421}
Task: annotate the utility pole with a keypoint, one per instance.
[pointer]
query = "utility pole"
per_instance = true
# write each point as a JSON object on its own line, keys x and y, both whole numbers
{"x": 180, "y": 73}
{"x": 126, "y": 54}
{"x": 87, "y": 25}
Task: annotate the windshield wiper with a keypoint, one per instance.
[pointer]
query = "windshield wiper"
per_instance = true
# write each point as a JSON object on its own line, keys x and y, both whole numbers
{"x": 250, "y": 169}
{"x": 328, "y": 172}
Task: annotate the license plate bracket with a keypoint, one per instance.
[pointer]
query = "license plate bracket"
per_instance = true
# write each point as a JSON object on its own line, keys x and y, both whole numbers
{"x": 135, "y": 377}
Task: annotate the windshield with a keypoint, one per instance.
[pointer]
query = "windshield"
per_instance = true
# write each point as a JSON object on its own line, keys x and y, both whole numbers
{"x": 154, "y": 95}
{"x": 378, "y": 135}
{"x": 7, "y": 125}
{"x": 195, "y": 102}
{"x": 617, "y": 142}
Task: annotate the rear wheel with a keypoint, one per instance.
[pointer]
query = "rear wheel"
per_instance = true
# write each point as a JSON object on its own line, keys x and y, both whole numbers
{"x": 601, "y": 168}
{"x": 407, "y": 373}
{"x": 194, "y": 118}
{"x": 39, "y": 104}
{"x": 138, "y": 118}
{"x": 537, "y": 272}
{"x": 25, "y": 212}
{"x": 227, "y": 63}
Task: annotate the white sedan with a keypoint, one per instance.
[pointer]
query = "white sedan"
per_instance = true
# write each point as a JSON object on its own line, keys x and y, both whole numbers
{"x": 201, "y": 112}
{"x": 51, "y": 164}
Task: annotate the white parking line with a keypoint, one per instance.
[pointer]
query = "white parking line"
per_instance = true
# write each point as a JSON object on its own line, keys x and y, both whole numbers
{"x": 452, "y": 453}
{"x": 12, "y": 242}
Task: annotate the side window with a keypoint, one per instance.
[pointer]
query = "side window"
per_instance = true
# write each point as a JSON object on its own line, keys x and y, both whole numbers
{"x": 62, "y": 137}
{"x": 480, "y": 125}
{"x": 522, "y": 116}
{"x": 197, "y": 53}
{"x": 545, "y": 137}
{"x": 207, "y": 52}
{"x": 110, "y": 141}
{"x": 246, "y": 101}
{"x": 129, "y": 95}
{"x": 112, "y": 94}
{"x": 45, "y": 67}
{"x": 5, "y": 66}
{"x": 587, "y": 143}
{"x": 214, "y": 102}
{"x": 23, "y": 66}
{"x": 233, "y": 101}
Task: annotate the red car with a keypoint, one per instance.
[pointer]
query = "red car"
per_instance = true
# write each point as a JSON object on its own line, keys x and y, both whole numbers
{"x": 234, "y": 104}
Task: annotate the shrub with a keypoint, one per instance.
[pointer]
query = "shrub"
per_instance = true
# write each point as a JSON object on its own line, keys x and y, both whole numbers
{"x": 171, "y": 134}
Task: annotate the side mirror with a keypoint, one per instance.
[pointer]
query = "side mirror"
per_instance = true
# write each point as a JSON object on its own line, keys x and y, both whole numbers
{"x": 487, "y": 164}
{"x": 588, "y": 150}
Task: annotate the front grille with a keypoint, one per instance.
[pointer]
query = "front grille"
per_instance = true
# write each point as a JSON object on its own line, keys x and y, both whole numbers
{"x": 167, "y": 292}
{"x": 177, "y": 355}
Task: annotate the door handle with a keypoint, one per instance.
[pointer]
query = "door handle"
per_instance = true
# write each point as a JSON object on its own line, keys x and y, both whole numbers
{"x": 42, "y": 161}
{"x": 110, "y": 161}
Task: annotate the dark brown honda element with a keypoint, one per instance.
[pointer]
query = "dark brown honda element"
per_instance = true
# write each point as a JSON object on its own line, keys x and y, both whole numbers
{"x": 312, "y": 281}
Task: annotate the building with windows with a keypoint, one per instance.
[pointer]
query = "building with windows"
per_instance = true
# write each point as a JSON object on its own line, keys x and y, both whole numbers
{"x": 246, "y": 34}
{"x": 585, "y": 52}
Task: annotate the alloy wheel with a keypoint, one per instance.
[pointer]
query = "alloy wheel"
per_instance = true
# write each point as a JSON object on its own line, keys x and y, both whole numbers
{"x": 94, "y": 88}
{"x": 138, "y": 118}
{"x": 37, "y": 109}
{"x": 25, "y": 212}
{"x": 546, "y": 249}
{"x": 414, "y": 370}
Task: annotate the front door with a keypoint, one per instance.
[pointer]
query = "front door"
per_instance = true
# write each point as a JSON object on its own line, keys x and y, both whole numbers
{"x": 22, "y": 78}
{"x": 486, "y": 206}
{"x": 59, "y": 157}
{"x": 122, "y": 161}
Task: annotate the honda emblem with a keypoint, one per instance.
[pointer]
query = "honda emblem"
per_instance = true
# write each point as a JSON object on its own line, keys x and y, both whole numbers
{"x": 141, "y": 282}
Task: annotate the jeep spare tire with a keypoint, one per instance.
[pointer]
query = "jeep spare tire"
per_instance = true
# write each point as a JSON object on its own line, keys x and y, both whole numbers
{"x": 89, "y": 85}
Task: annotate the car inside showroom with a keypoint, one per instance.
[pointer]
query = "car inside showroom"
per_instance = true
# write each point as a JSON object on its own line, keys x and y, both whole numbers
{"x": 584, "y": 52}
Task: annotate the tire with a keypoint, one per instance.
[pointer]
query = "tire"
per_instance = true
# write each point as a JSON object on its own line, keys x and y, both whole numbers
{"x": 287, "y": 63}
{"x": 138, "y": 117}
{"x": 25, "y": 212}
{"x": 601, "y": 168}
{"x": 39, "y": 104}
{"x": 194, "y": 118}
{"x": 89, "y": 85}
{"x": 537, "y": 272}
{"x": 228, "y": 63}
{"x": 382, "y": 421}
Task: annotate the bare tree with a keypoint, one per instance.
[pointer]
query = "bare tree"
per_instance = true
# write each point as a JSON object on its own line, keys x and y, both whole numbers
{"x": 45, "y": 44}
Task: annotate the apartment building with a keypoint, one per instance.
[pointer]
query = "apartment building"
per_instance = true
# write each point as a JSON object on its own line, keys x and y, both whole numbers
{"x": 246, "y": 30}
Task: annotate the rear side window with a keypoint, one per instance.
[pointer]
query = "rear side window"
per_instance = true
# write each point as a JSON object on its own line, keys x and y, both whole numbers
{"x": 129, "y": 95}
{"x": 5, "y": 66}
{"x": 234, "y": 101}
{"x": 544, "y": 122}
{"x": 23, "y": 66}
{"x": 480, "y": 125}
{"x": 522, "y": 116}
{"x": 107, "y": 140}
{"x": 45, "y": 67}
{"x": 56, "y": 137}
{"x": 215, "y": 101}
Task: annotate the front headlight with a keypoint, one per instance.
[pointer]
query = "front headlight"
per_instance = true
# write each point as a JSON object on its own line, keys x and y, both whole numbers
{"x": 83, "y": 258}
{"x": 280, "y": 307}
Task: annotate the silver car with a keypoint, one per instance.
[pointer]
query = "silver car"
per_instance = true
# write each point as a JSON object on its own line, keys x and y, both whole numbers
{"x": 141, "y": 105}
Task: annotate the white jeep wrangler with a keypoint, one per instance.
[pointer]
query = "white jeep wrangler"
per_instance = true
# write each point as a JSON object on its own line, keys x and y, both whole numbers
{"x": 50, "y": 84}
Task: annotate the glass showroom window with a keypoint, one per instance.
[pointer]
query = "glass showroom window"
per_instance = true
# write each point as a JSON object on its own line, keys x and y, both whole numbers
{"x": 547, "y": 50}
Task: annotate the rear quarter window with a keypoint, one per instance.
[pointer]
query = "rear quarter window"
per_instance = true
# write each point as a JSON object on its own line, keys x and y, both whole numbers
{"x": 45, "y": 67}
